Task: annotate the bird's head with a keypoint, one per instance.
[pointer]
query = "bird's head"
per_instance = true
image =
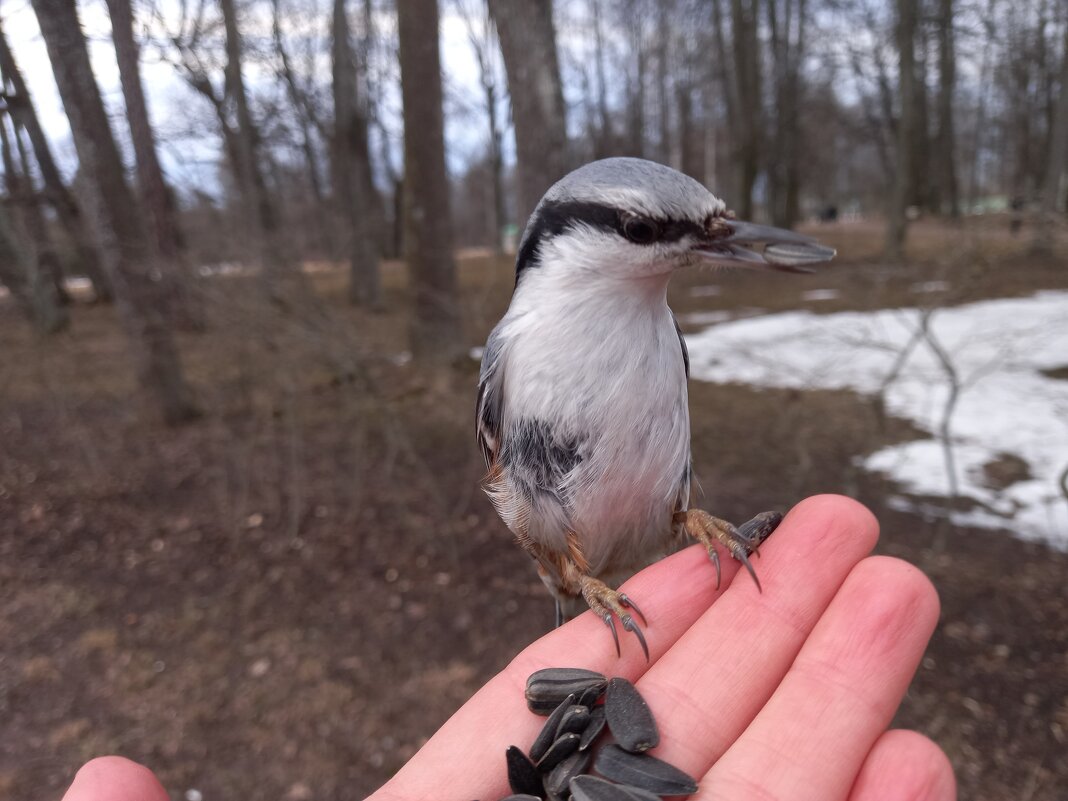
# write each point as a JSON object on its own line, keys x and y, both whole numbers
{"x": 628, "y": 217}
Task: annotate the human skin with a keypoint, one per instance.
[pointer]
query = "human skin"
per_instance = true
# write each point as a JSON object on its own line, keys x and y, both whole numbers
{"x": 783, "y": 694}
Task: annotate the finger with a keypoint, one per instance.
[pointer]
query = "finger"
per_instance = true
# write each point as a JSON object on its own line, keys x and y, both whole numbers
{"x": 467, "y": 753}
{"x": 810, "y": 740}
{"x": 712, "y": 684}
{"x": 113, "y": 778}
{"x": 905, "y": 766}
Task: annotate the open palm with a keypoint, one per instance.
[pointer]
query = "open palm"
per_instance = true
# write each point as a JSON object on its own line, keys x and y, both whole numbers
{"x": 785, "y": 694}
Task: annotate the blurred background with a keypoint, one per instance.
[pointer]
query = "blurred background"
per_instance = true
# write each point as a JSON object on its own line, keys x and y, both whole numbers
{"x": 249, "y": 250}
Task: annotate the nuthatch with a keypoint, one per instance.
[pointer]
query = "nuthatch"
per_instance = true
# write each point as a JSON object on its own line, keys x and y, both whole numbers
{"x": 582, "y": 408}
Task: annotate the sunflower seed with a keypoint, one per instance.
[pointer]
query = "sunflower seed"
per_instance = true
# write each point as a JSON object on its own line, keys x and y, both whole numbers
{"x": 591, "y": 695}
{"x": 592, "y": 788}
{"x": 523, "y": 777}
{"x": 629, "y": 717}
{"x": 556, "y": 783}
{"x": 574, "y": 720}
{"x": 548, "y": 732}
{"x": 593, "y": 728}
{"x": 563, "y": 747}
{"x": 644, "y": 771}
{"x": 521, "y": 797}
{"x": 638, "y": 794}
{"x": 546, "y": 688}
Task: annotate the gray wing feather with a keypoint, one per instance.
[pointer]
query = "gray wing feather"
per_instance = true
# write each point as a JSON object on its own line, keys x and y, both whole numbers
{"x": 489, "y": 408}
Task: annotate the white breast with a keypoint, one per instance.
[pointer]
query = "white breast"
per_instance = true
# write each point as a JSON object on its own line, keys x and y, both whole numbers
{"x": 600, "y": 357}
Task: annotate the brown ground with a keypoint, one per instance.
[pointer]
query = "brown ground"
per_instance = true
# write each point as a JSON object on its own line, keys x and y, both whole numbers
{"x": 283, "y": 600}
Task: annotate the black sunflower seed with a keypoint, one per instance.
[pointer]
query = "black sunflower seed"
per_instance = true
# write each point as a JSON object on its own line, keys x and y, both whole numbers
{"x": 563, "y": 747}
{"x": 548, "y": 732}
{"x": 591, "y": 695}
{"x": 629, "y": 718}
{"x": 573, "y": 720}
{"x": 592, "y": 788}
{"x": 593, "y": 728}
{"x": 643, "y": 771}
{"x": 556, "y": 783}
{"x": 548, "y": 687}
{"x": 523, "y": 777}
{"x": 638, "y": 794}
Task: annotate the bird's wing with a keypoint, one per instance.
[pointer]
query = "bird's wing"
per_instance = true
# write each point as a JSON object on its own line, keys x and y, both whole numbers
{"x": 489, "y": 408}
{"x": 682, "y": 344}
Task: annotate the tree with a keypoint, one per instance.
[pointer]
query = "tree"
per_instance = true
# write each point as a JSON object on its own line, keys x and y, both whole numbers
{"x": 945, "y": 144}
{"x": 1053, "y": 186}
{"x": 746, "y": 127}
{"x": 528, "y": 44}
{"x": 354, "y": 190}
{"x": 24, "y": 115}
{"x": 28, "y": 244}
{"x": 154, "y": 193}
{"x": 897, "y": 223}
{"x": 427, "y": 224}
{"x": 124, "y": 244}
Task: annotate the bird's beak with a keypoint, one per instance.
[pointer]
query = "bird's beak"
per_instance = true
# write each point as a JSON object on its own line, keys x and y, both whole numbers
{"x": 733, "y": 242}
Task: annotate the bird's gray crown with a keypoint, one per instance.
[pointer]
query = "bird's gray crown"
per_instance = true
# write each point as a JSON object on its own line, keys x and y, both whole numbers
{"x": 602, "y": 194}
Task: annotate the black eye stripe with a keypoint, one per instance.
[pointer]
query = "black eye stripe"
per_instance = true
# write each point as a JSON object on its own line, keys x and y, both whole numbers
{"x": 556, "y": 217}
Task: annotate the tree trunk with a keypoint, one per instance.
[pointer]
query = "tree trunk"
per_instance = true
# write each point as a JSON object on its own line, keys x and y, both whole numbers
{"x": 528, "y": 43}
{"x": 28, "y": 240}
{"x": 897, "y": 222}
{"x": 949, "y": 200}
{"x": 745, "y": 15}
{"x": 124, "y": 243}
{"x": 427, "y": 225}
{"x": 24, "y": 115}
{"x": 157, "y": 197}
{"x": 1053, "y": 186}
{"x": 260, "y": 208}
{"x": 354, "y": 192}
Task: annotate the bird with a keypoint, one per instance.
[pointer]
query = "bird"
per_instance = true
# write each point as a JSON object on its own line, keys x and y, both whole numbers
{"x": 582, "y": 412}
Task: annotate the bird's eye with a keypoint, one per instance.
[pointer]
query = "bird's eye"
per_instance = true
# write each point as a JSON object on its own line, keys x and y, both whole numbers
{"x": 640, "y": 230}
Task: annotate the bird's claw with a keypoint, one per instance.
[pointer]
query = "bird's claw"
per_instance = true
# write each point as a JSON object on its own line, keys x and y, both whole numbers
{"x": 740, "y": 541}
{"x": 609, "y": 604}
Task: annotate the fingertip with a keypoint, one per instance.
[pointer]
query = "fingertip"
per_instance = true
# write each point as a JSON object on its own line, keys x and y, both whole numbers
{"x": 837, "y": 513}
{"x": 115, "y": 778}
{"x": 905, "y": 766}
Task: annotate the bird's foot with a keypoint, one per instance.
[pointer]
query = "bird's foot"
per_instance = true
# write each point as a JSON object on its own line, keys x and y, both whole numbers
{"x": 740, "y": 541}
{"x": 609, "y": 604}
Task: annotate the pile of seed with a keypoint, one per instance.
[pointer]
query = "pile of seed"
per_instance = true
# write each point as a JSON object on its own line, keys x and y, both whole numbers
{"x": 556, "y": 766}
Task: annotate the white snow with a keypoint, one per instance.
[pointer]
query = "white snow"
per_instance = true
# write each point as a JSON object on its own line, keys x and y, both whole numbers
{"x": 1006, "y": 404}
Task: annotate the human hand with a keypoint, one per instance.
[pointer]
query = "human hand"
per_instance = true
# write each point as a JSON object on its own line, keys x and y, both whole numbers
{"x": 784, "y": 694}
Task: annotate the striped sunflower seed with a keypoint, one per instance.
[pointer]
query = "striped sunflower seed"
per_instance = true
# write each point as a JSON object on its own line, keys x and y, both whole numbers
{"x": 523, "y": 777}
{"x": 643, "y": 771}
{"x": 629, "y": 718}
{"x": 546, "y": 688}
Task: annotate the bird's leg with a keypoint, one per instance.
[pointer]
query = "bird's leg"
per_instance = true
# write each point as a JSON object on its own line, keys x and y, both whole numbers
{"x": 740, "y": 541}
{"x": 568, "y": 575}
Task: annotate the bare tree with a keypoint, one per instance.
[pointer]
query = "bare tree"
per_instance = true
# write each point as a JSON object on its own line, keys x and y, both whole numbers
{"x": 155, "y": 194}
{"x": 33, "y": 266}
{"x": 355, "y": 193}
{"x": 746, "y": 127}
{"x": 124, "y": 245}
{"x": 24, "y": 114}
{"x": 528, "y": 43}
{"x": 897, "y": 223}
{"x": 482, "y": 37}
{"x": 1053, "y": 187}
{"x": 945, "y": 144}
{"x": 427, "y": 224}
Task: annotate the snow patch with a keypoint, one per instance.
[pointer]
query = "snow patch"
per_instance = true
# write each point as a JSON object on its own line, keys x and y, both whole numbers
{"x": 997, "y": 348}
